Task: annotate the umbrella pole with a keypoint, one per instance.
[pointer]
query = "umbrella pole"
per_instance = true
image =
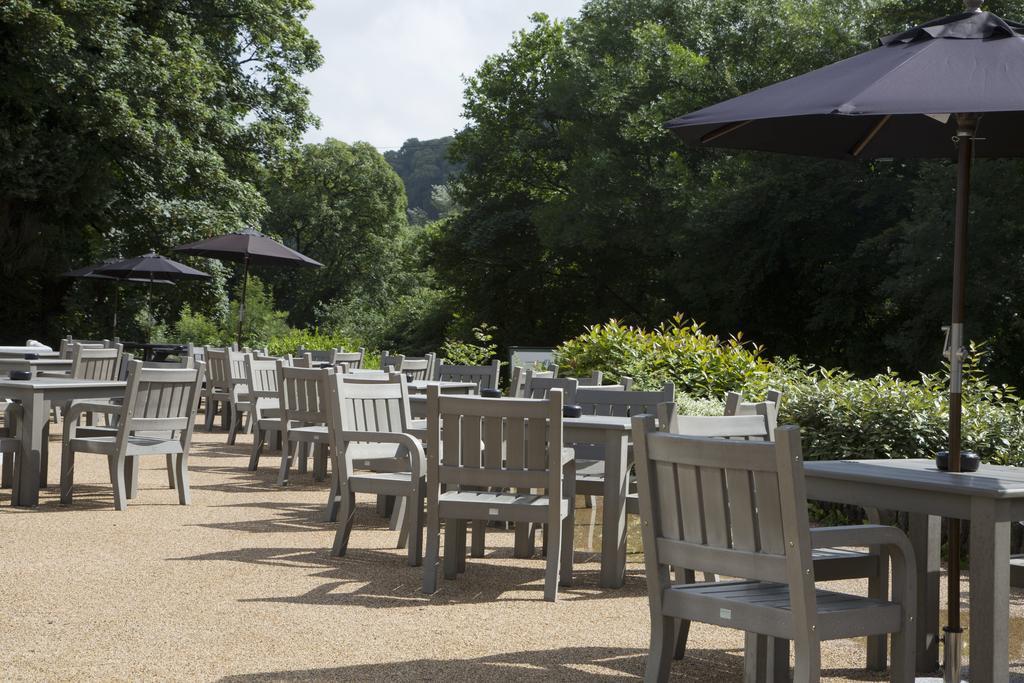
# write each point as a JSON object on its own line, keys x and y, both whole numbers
{"x": 117, "y": 294}
{"x": 241, "y": 306}
{"x": 953, "y": 633}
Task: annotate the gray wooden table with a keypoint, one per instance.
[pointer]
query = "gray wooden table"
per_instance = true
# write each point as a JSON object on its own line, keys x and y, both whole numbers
{"x": 614, "y": 433}
{"x": 991, "y": 499}
{"x": 45, "y": 364}
{"x": 418, "y": 394}
{"x": 35, "y": 396}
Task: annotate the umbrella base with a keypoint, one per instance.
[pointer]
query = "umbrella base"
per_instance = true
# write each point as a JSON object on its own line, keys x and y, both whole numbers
{"x": 952, "y": 655}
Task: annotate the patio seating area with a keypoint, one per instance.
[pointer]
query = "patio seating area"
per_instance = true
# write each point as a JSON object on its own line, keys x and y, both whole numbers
{"x": 242, "y": 585}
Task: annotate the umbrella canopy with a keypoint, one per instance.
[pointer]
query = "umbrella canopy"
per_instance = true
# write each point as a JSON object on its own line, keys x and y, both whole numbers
{"x": 250, "y": 246}
{"x": 950, "y": 88}
{"x": 897, "y": 100}
{"x": 90, "y": 273}
{"x": 150, "y": 268}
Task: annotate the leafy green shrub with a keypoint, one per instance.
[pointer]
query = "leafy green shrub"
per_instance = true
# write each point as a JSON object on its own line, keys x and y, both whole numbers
{"x": 467, "y": 353}
{"x": 312, "y": 339}
{"x": 840, "y": 415}
{"x": 196, "y": 328}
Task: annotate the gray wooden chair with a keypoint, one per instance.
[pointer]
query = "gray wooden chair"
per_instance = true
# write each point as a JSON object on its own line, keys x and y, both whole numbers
{"x": 739, "y": 508}
{"x": 156, "y": 418}
{"x": 217, "y": 390}
{"x": 372, "y": 453}
{"x": 539, "y": 387}
{"x": 484, "y": 376}
{"x": 517, "y": 378}
{"x": 304, "y": 360}
{"x": 595, "y": 379}
{"x": 353, "y": 359}
{"x": 478, "y": 451}
{"x": 10, "y": 441}
{"x": 318, "y": 355}
{"x": 239, "y": 398}
{"x": 414, "y": 368}
{"x": 304, "y": 418}
{"x": 265, "y": 398}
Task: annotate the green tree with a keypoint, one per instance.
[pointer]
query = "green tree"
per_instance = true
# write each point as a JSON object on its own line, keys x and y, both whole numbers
{"x": 344, "y": 206}
{"x": 423, "y": 165}
{"x": 128, "y": 125}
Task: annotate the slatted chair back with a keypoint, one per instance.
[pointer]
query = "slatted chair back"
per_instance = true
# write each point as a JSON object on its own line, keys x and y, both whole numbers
{"x": 197, "y": 353}
{"x": 517, "y": 379}
{"x": 390, "y": 361}
{"x": 595, "y": 401}
{"x": 304, "y": 360}
{"x": 318, "y": 355}
{"x": 67, "y": 345}
{"x": 303, "y": 393}
{"x": 95, "y": 363}
{"x": 353, "y": 359}
{"x": 540, "y": 387}
{"x": 261, "y": 378}
{"x": 502, "y": 443}
{"x": 595, "y": 379}
{"x": 484, "y": 376}
{"x": 746, "y": 427}
{"x": 160, "y": 401}
{"x": 737, "y": 508}
{"x": 218, "y": 370}
{"x": 417, "y": 368}
{"x": 185, "y": 361}
{"x": 370, "y": 406}
{"x": 735, "y": 405}
{"x": 236, "y": 369}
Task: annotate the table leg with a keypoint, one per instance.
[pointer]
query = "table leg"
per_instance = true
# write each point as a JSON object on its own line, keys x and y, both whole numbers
{"x": 990, "y": 591}
{"x": 26, "y": 467}
{"x": 613, "y": 518}
{"x": 925, "y": 537}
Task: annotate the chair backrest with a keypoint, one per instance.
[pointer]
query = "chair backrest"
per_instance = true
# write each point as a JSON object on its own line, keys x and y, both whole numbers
{"x": 160, "y": 401}
{"x": 595, "y": 401}
{"x": 236, "y": 368}
{"x": 517, "y": 378}
{"x": 595, "y": 379}
{"x": 95, "y": 363}
{"x": 318, "y": 355}
{"x": 737, "y": 508}
{"x": 735, "y": 405}
{"x": 261, "y": 378}
{"x": 414, "y": 368}
{"x": 304, "y": 360}
{"x": 369, "y": 406}
{"x": 540, "y": 387}
{"x": 198, "y": 353}
{"x": 747, "y": 427}
{"x": 218, "y": 370}
{"x": 484, "y": 376}
{"x": 184, "y": 361}
{"x": 67, "y": 345}
{"x": 303, "y": 393}
{"x": 354, "y": 359}
{"x": 501, "y": 442}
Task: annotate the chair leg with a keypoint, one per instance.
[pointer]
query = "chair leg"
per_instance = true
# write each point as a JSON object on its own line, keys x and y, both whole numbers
{"x": 414, "y": 523}
{"x": 430, "y": 567}
{"x": 247, "y": 426}
{"x": 117, "y": 481}
{"x": 171, "y": 482}
{"x": 131, "y": 477}
{"x": 225, "y": 414}
{"x": 333, "y": 497}
{"x": 347, "y": 513}
{"x": 807, "y": 658}
{"x": 398, "y": 519}
{"x": 211, "y": 411}
{"x": 44, "y": 458}
{"x": 235, "y": 418}
{"x": 181, "y": 474}
{"x": 286, "y": 462}
{"x": 682, "y": 626}
{"x": 451, "y": 548}
{"x": 554, "y": 562}
{"x": 524, "y": 535}
{"x": 319, "y": 461}
{"x": 878, "y": 588}
{"x": 479, "y": 531}
{"x": 7, "y": 471}
{"x": 303, "y": 453}
{"x": 659, "y": 658}
{"x": 568, "y": 528}
{"x": 460, "y": 539}
{"x": 258, "y": 438}
{"x": 67, "y": 475}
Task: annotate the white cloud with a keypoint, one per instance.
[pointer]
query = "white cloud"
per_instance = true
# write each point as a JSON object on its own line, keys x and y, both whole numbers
{"x": 392, "y": 68}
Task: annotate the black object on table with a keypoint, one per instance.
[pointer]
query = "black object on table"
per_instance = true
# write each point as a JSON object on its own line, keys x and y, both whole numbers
{"x": 969, "y": 461}
{"x": 20, "y": 375}
{"x": 572, "y": 410}
{"x": 490, "y": 393}
{"x": 156, "y": 352}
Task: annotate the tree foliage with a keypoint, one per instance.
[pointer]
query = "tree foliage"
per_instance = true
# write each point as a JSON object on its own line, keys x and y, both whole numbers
{"x": 423, "y": 166}
{"x": 344, "y": 205}
{"x": 578, "y": 206}
{"x": 127, "y": 125}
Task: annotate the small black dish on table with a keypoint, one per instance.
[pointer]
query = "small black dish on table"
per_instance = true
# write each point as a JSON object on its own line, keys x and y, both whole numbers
{"x": 969, "y": 461}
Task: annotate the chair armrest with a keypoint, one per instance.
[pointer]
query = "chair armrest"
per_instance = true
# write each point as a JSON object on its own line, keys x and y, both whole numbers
{"x": 859, "y": 535}
{"x": 53, "y": 373}
{"x": 77, "y": 408}
{"x": 417, "y": 459}
{"x": 568, "y": 455}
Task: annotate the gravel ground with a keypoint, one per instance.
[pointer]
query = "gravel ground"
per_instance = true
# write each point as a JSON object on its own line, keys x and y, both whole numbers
{"x": 241, "y": 586}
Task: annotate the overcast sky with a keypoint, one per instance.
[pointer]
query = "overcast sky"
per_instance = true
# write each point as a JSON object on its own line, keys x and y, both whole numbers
{"x": 392, "y": 68}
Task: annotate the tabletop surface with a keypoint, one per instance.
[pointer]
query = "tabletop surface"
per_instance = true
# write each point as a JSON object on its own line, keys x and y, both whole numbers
{"x": 990, "y": 481}
{"x": 58, "y": 383}
{"x": 599, "y": 422}
{"x": 423, "y": 384}
{"x": 41, "y": 362}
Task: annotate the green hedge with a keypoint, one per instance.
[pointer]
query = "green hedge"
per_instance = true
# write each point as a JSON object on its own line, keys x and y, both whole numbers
{"x": 840, "y": 416}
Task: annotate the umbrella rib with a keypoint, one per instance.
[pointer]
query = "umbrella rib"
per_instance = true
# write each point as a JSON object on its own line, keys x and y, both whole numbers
{"x": 866, "y": 140}
{"x": 724, "y": 130}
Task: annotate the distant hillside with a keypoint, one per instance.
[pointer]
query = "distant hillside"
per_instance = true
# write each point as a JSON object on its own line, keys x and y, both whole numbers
{"x": 422, "y": 164}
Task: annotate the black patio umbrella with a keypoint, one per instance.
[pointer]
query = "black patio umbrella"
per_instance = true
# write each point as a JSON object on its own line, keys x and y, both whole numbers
{"x": 249, "y": 247}
{"x": 950, "y": 88}
{"x": 89, "y": 272}
{"x": 150, "y": 268}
